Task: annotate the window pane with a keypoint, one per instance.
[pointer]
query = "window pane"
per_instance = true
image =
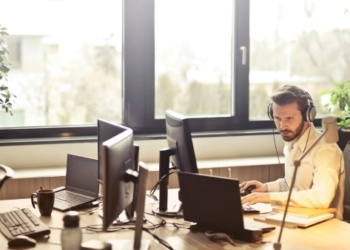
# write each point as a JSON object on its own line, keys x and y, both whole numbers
{"x": 66, "y": 60}
{"x": 304, "y": 43}
{"x": 193, "y": 68}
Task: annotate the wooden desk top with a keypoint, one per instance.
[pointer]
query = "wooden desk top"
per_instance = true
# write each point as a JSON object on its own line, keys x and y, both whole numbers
{"x": 331, "y": 234}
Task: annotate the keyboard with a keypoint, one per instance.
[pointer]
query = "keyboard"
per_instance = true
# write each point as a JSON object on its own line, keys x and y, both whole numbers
{"x": 22, "y": 222}
{"x": 72, "y": 198}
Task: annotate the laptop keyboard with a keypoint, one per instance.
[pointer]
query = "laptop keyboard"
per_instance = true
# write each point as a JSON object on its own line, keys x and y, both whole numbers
{"x": 72, "y": 198}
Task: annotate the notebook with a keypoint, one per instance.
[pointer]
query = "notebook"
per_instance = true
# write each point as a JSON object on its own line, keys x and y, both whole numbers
{"x": 81, "y": 188}
{"x": 214, "y": 203}
{"x": 305, "y": 212}
{"x": 296, "y": 221}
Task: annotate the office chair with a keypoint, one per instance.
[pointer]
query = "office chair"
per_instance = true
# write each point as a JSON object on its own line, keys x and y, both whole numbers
{"x": 9, "y": 173}
{"x": 346, "y": 153}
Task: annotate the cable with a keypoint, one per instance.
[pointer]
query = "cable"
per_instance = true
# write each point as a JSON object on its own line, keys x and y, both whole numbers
{"x": 174, "y": 224}
{"x": 116, "y": 228}
{"x": 274, "y": 139}
{"x": 308, "y": 135}
{"x": 279, "y": 162}
{"x": 164, "y": 177}
{"x": 161, "y": 241}
{"x": 222, "y": 236}
{"x": 219, "y": 236}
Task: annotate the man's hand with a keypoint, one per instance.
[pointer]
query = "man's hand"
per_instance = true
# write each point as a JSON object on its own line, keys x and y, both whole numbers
{"x": 253, "y": 198}
{"x": 259, "y": 187}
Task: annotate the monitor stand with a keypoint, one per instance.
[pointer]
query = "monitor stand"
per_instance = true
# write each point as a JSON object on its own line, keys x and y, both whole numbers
{"x": 136, "y": 243}
{"x": 163, "y": 210}
{"x": 128, "y": 216}
{"x": 122, "y": 218}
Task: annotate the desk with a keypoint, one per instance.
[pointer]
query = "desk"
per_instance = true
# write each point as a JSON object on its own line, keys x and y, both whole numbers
{"x": 333, "y": 234}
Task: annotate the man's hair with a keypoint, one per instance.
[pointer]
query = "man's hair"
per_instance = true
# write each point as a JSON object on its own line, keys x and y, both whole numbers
{"x": 289, "y": 94}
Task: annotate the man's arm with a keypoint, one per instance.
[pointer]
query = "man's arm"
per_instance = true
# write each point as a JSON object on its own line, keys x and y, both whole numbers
{"x": 327, "y": 162}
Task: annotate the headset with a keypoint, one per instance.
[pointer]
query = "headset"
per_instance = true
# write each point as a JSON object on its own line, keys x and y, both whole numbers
{"x": 308, "y": 114}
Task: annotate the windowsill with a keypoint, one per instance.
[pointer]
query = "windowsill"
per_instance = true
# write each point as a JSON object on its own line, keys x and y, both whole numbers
{"x": 153, "y": 167}
{"x": 138, "y": 137}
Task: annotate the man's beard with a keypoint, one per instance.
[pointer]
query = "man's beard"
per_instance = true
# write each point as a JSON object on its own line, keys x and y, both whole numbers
{"x": 294, "y": 134}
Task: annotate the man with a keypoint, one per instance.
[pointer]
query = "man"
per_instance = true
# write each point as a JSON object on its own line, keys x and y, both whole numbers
{"x": 320, "y": 178}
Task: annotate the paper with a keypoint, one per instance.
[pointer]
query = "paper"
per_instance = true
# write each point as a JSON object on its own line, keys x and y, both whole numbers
{"x": 262, "y": 207}
{"x": 239, "y": 247}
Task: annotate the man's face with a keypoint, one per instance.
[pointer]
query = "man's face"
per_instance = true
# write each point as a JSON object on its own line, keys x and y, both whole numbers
{"x": 289, "y": 121}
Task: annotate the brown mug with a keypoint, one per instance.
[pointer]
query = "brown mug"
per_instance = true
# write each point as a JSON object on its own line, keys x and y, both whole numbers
{"x": 45, "y": 199}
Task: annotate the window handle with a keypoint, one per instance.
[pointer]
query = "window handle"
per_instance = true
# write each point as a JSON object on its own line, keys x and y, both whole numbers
{"x": 244, "y": 55}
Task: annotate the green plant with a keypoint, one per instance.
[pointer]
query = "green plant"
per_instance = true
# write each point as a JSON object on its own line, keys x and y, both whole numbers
{"x": 340, "y": 102}
{"x": 6, "y": 96}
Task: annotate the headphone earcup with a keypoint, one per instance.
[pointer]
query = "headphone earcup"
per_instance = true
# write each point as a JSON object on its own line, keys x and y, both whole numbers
{"x": 270, "y": 111}
{"x": 310, "y": 113}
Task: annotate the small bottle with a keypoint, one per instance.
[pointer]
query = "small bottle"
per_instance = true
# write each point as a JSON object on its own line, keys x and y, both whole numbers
{"x": 71, "y": 236}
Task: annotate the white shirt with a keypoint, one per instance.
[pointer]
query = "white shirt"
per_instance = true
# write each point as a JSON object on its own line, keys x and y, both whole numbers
{"x": 320, "y": 177}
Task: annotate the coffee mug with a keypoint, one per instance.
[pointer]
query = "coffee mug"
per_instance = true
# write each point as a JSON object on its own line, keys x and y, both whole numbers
{"x": 45, "y": 200}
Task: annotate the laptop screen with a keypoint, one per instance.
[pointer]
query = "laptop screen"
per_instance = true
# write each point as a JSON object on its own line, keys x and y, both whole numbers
{"x": 82, "y": 175}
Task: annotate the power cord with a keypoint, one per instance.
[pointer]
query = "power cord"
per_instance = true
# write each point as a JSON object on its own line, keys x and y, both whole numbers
{"x": 125, "y": 226}
{"x": 174, "y": 224}
{"x": 222, "y": 236}
{"x": 154, "y": 188}
{"x": 161, "y": 241}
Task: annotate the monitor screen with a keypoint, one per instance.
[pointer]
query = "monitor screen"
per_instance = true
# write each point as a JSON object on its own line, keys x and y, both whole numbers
{"x": 105, "y": 131}
{"x": 117, "y": 158}
{"x": 179, "y": 139}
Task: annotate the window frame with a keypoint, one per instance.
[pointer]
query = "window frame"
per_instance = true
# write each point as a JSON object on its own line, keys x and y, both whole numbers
{"x": 138, "y": 90}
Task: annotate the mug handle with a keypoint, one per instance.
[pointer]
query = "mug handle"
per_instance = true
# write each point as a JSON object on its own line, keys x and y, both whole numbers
{"x": 31, "y": 197}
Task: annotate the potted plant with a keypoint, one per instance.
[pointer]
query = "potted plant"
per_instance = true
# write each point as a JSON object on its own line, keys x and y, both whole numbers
{"x": 340, "y": 105}
{"x": 6, "y": 97}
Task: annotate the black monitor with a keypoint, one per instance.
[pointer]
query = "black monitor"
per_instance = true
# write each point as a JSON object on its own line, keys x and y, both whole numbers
{"x": 178, "y": 135}
{"x": 180, "y": 151}
{"x": 105, "y": 131}
{"x": 117, "y": 159}
{"x": 118, "y": 183}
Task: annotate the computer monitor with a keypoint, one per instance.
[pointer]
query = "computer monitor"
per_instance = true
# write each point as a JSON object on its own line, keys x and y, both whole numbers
{"x": 117, "y": 158}
{"x": 180, "y": 152}
{"x": 105, "y": 131}
{"x": 118, "y": 181}
{"x": 178, "y": 134}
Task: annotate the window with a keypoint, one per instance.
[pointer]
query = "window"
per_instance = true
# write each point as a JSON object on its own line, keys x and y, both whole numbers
{"x": 173, "y": 64}
{"x": 67, "y": 61}
{"x": 304, "y": 43}
{"x": 193, "y": 57}
{"x": 128, "y": 61}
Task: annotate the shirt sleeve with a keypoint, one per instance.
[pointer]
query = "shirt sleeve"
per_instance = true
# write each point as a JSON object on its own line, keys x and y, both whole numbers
{"x": 326, "y": 160}
{"x": 277, "y": 186}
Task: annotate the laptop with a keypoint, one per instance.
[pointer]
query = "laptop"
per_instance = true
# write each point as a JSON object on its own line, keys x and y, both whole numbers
{"x": 81, "y": 189}
{"x": 214, "y": 203}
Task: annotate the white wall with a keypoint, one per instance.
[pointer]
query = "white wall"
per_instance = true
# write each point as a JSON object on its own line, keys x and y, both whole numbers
{"x": 55, "y": 155}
